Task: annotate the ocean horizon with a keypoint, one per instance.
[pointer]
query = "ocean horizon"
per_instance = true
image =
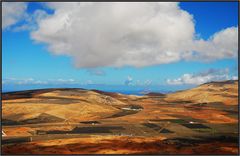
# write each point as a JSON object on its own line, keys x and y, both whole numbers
{"x": 126, "y": 92}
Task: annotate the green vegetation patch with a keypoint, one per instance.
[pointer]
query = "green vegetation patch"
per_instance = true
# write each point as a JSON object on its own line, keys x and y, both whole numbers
{"x": 187, "y": 118}
{"x": 152, "y": 126}
{"x": 196, "y": 126}
{"x": 90, "y": 122}
{"x": 166, "y": 131}
{"x": 82, "y": 130}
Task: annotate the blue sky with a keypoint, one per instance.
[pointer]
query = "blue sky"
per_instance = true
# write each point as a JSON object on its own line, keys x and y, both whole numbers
{"x": 29, "y": 62}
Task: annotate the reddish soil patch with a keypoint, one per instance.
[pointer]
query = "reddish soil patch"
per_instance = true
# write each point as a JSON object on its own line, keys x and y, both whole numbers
{"x": 120, "y": 146}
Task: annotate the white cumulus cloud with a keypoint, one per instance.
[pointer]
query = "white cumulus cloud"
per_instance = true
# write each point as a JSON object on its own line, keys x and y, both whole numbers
{"x": 31, "y": 81}
{"x": 202, "y": 77}
{"x": 129, "y": 34}
{"x": 12, "y": 12}
{"x": 222, "y": 44}
{"x": 120, "y": 34}
{"x": 128, "y": 81}
{"x": 234, "y": 77}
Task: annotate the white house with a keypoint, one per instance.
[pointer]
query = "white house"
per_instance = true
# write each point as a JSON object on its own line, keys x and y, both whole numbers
{"x": 3, "y": 134}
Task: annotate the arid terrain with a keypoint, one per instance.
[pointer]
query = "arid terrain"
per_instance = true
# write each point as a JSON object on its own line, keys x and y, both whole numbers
{"x": 202, "y": 120}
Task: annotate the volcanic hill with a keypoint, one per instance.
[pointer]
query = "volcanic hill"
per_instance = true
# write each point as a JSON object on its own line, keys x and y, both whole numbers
{"x": 201, "y": 120}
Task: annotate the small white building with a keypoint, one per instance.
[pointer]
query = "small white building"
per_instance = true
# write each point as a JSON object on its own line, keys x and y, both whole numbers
{"x": 3, "y": 134}
{"x": 133, "y": 109}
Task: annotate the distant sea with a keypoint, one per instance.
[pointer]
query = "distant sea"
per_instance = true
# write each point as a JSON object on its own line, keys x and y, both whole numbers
{"x": 127, "y": 92}
{"x": 123, "y": 89}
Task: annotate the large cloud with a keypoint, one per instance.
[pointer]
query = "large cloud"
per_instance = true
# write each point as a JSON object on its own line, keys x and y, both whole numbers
{"x": 223, "y": 44}
{"x": 129, "y": 34}
{"x": 12, "y": 12}
{"x": 202, "y": 77}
